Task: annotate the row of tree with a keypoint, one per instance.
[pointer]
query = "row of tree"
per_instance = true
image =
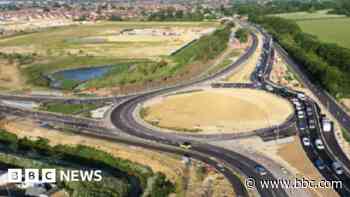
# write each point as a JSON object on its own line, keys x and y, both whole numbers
{"x": 328, "y": 64}
{"x": 342, "y": 7}
{"x": 242, "y": 35}
{"x": 275, "y": 7}
{"x": 21, "y": 59}
{"x": 171, "y": 14}
{"x": 206, "y": 48}
{"x": 85, "y": 156}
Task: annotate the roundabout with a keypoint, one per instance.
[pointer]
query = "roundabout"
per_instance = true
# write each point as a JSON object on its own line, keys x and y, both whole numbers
{"x": 213, "y": 111}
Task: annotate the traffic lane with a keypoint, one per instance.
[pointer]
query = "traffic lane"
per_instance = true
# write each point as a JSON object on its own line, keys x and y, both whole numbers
{"x": 246, "y": 166}
{"x": 126, "y": 123}
{"x": 333, "y": 107}
{"x": 236, "y": 183}
{"x": 337, "y": 111}
{"x": 317, "y": 154}
{"x": 129, "y": 125}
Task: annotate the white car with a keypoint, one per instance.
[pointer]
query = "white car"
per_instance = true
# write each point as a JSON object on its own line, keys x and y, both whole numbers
{"x": 337, "y": 167}
{"x": 301, "y": 96}
{"x": 299, "y": 108}
{"x": 306, "y": 141}
{"x": 319, "y": 144}
{"x": 301, "y": 115}
{"x": 269, "y": 88}
{"x": 294, "y": 100}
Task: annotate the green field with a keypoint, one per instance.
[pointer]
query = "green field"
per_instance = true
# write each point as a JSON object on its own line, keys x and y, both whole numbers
{"x": 329, "y": 30}
{"x": 308, "y": 16}
{"x": 68, "y": 108}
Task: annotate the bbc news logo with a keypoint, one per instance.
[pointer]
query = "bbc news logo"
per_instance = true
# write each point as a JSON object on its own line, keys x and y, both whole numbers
{"x": 17, "y": 175}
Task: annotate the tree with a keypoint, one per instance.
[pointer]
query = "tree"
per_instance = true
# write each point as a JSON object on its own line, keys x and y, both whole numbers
{"x": 242, "y": 35}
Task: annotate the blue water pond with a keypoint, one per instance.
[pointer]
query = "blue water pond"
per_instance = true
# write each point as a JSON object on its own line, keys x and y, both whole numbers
{"x": 78, "y": 75}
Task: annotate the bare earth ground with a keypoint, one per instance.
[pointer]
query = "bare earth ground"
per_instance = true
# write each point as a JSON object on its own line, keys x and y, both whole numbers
{"x": 291, "y": 155}
{"x": 294, "y": 154}
{"x": 346, "y": 104}
{"x": 220, "y": 110}
{"x": 168, "y": 164}
{"x": 337, "y": 129}
{"x": 281, "y": 75}
{"x": 10, "y": 77}
{"x": 243, "y": 74}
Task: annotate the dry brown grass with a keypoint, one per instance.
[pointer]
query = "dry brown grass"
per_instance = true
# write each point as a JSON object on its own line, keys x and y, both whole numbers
{"x": 104, "y": 39}
{"x": 282, "y": 76}
{"x": 10, "y": 77}
{"x": 220, "y": 110}
{"x": 242, "y": 75}
{"x": 346, "y": 103}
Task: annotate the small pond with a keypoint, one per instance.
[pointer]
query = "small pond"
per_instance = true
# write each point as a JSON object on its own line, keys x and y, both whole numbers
{"x": 77, "y": 76}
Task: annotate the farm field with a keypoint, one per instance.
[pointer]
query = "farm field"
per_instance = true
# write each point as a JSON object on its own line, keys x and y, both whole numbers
{"x": 233, "y": 111}
{"x": 322, "y": 14}
{"x": 329, "y": 30}
{"x": 112, "y": 39}
{"x": 327, "y": 27}
{"x": 129, "y": 47}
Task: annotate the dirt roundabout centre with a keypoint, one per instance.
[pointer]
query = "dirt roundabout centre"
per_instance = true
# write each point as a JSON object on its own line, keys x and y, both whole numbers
{"x": 216, "y": 110}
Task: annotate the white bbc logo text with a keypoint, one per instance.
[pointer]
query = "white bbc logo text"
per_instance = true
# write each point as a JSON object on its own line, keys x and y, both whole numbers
{"x": 31, "y": 175}
{"x": 49, "y": 175}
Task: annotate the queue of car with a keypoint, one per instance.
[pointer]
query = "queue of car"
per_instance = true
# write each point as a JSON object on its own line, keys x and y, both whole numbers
{"x": 310, "y": 124}
{"x": 307, "y": 124}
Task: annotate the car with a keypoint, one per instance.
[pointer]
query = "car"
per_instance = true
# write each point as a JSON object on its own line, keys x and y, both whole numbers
{"x": 186, "y": 145}
{"x": 312, "y": 124}
{"x": 298, "y": 105}
{"x": 221, "y": 167}
{"x": 320, "y": 164}
{"x": 306, "y": 141}
{"x": 301, "y": 96}
{"x": 310, "y": 113}
{"x": 269, "y": 88}
{"x": 309, "y": 109}
{"x": 302, "y": 125}
{"x": 299, "y": 108}
{"x": 301, "y": 114}
{"x": 260, "y": 170}
{"x": 327, "y": 125}
{"x": 294, "y": 100}
{"x": 319, "y": 144}
{"x": 337, "y": 167}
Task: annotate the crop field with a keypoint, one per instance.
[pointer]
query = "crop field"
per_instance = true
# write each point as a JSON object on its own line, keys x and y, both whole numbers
{"x": 329, "y": 30}
{"x": 308, "y": 16}
{"x": 233, "y": 111}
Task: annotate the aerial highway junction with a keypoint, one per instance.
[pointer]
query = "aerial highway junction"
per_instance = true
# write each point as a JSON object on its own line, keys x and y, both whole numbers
{"x": 231, "y": 163}
{"x": 234, "y": 163}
